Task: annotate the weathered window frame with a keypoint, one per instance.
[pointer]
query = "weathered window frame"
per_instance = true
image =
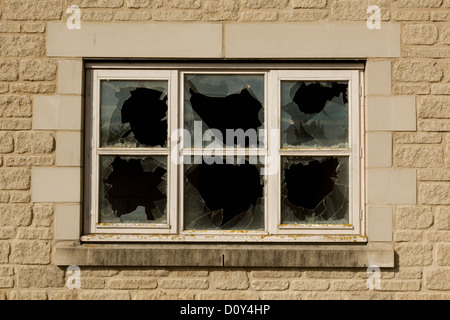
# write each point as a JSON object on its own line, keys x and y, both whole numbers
{"x": 91, "y": 225}
{"x": 273, "y": 232}
{"x": 354, "y": 152}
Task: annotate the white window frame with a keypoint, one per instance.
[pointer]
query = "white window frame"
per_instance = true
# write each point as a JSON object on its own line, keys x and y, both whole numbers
{"x": 92, "y": 224}
{"x": 353, "y": 152}
{"x": 354, "y": 231}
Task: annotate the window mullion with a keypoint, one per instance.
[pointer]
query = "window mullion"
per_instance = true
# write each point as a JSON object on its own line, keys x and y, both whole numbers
{"x": 94, "y": 155}
{"x": 273, "y": 139}
{"x": 172, "y": 215}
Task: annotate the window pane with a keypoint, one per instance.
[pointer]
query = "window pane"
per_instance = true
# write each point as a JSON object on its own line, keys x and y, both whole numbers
{"x": 314, "y": 114}
{"x": 315, "y": 190}
{"x": 223, "y": 196}
{"x": 133, "y": 189}
{"x": 133, "y": 113}
{"x": 221, "y": 103}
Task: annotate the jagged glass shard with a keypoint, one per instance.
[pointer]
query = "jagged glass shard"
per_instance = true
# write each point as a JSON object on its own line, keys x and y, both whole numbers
{"x": 223, "y": 196}
{"x": 133, "y": 113}
{"x": 133, "y": 189}
{"x": 314, "y": 114}
{"x": 224, "y": 102}
{"x": 315, "y": 190}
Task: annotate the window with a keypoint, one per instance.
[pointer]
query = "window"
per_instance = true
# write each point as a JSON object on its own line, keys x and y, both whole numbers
{"x": 182, "y": 153}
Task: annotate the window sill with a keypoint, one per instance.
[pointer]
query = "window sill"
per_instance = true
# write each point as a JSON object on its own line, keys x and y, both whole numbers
{"x": 225, "y": 255}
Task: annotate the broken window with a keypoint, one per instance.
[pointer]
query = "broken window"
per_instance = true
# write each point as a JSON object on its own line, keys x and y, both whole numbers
{"x": 223, "y": 111}
{"x": 314, "y": 190}
{"x": 315, "y": 178}
{"x": 314, "y": 114}
{"x": 223, "y": 196}
{"x": 129, "y": 149}
{"x": 133, "y": 114}
{"x": 133, "y": 189}
{"x": 226, "y": 104}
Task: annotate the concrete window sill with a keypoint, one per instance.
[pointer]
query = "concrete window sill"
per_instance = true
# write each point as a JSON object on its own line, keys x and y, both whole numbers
{"x": 225, "y": 255}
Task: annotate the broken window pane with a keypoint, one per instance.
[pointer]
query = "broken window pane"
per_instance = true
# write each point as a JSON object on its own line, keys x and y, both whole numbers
{"x": 221, "y": 102}
{"x": 314, "y": 114}
{"x": 315, "y": 190}
{"x": 227, "y": 196}
{"x": 133, "y": 113}
{"x": 133, "y": 189}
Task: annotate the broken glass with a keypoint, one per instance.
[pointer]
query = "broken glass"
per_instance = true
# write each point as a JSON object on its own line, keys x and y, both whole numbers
{"x": 133, "y": 113}
{"x": 133, "y": 189}
{"x": 314, "y": 114}
{"x": 228, "y": 196}
{"x": 224, "y": 102}
{"x": 315, "y": 190}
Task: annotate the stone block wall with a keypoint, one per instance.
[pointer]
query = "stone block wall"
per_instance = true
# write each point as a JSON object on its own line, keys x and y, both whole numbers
{"x": 419, "y": 80}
